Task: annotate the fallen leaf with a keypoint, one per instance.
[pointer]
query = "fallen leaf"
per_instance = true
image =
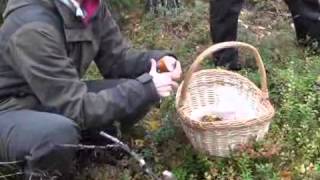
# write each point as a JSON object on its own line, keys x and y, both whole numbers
{"x": 153, "y": 125}
{"x": 285, "y": 175}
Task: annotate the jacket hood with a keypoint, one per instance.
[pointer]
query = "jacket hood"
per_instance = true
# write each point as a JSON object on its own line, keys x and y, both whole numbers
{"x": 89, "y": 8}
{"x": 16, "y": 4}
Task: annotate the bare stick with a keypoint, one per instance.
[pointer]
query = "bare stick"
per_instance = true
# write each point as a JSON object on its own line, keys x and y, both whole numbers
{"x": 81, "y": 146}
{"x": 10, "y": 163}
{"x": 11, "y": 175}
{"x": 126, "y": 148}
{"x": 142, "y": 163}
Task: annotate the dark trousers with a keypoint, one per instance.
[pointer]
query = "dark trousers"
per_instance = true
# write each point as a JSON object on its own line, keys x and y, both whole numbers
{"x": 224, "y": 16}
{"x": 34, "y": 136}
{"x": 223, "y": 27}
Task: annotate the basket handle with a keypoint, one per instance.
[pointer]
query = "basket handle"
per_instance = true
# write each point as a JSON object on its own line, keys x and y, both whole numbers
{"x": 217, "y": 47}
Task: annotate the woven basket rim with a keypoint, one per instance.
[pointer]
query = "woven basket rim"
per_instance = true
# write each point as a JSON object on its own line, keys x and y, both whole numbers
{"x": 267, "y": 116}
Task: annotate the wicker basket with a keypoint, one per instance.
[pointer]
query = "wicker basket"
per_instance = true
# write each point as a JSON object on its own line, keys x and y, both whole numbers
{"x": 198, "y": 91}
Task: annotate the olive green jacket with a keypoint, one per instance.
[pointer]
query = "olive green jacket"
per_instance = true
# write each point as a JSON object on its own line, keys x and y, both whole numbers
{"x": 45, "y": 50}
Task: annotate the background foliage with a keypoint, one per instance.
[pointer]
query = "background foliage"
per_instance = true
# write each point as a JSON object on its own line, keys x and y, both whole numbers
{"x": 291, "y": 149}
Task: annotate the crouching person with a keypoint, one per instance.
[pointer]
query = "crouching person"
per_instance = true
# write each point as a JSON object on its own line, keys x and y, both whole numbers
{"x": 46, "y": 47}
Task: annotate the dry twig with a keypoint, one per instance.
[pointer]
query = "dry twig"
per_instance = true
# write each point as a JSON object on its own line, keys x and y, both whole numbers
{"x": 11, "y": 175}
{"x": 10, "y": 163}
{"x": 142, "y": 163}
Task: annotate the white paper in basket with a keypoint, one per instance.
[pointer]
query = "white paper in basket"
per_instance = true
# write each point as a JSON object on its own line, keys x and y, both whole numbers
{"x": 230, "y": 105}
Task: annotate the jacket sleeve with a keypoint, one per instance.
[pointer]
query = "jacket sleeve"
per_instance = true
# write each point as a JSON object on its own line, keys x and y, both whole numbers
{"x": 116, "y": 58}
{"x": 39, "y": 56}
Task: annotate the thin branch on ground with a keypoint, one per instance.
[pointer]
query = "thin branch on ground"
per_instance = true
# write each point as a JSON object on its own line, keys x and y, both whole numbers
{"x": 11, "y": 175}
{"x": 142, "y": 163}
{"x": 10, "y": 163}
{"x": 82, "y": 146}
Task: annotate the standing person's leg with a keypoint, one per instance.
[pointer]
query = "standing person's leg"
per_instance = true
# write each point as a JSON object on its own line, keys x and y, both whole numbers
{"x": 224, "y": 16}
{"x": 305, "y": 14}
{"x": 299, "y": 22}
{"x": 34, "y": 138}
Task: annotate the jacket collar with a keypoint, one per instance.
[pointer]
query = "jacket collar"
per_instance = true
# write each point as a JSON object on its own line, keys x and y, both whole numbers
{"x": 86, "y": 11}
{"x": 75, "y": 30}
{"x": 74, "y": 6}
{"x": 69, "y": 18}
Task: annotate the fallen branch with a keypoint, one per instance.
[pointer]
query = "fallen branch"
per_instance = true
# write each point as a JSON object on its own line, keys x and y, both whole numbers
{"x": 142, "y": 163}
{"x": 11, "y": 175}
{"x": 10, "y": 163}
{"x": 82, "y": 146}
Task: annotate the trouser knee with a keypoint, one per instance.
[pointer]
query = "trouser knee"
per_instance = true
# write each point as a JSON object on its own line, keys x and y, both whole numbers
{"x": 52, "y": 153}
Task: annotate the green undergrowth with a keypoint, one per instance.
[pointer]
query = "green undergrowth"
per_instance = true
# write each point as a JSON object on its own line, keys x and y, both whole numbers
{"x": 292, "y": 146}
{"x": 290, "y": 149}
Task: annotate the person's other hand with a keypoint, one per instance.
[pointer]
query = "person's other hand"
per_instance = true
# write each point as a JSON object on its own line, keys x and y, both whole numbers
{"x": 171, "y": 65}
{"x": 162, "y": 81}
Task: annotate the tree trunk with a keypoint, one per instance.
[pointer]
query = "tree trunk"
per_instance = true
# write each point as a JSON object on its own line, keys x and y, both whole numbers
{"x": 153, "y": 6}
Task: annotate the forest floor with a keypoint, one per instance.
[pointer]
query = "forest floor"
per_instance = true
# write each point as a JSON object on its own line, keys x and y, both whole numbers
{"x": 291, "y": 149}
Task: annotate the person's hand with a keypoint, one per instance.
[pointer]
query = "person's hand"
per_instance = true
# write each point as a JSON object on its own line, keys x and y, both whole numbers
{"x": 162, "y": 81}
{"x": 170, "y": 64}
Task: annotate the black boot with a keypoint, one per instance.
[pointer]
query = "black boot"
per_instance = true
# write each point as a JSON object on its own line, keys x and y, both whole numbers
{"x": 228, "y": 58}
